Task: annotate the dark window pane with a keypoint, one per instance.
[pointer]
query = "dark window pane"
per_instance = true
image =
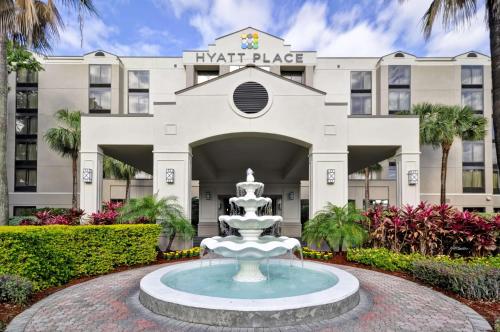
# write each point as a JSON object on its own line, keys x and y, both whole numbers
{"x": 138, "y": 79}
{"x": 22, "y": 211}
{"x": 473, "y": 98}
{"x": 203, "y": 76}
{"x": 361, "y": 80}
{"x": 100, "y": 99}
{"x": 399, "y": 75}
{"x": 297, "y": 76}
{"x": 472, "y": 75}
{"x": 473, "y": 151}
{"x": 473, "y": 177}
{"x": 21, "y": 151}
{"x": 361, "y": 103}
{"x": 100, "y": 74}
{"x": 138, "y": 102}
{"x": 25, "y": 76}
{"x": 21, "y": 125}
{"x": 399, "y": 100}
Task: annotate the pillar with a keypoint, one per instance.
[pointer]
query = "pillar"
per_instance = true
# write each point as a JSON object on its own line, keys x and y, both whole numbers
{"x": 407, "y": 193}
{"x": 320, "y": 190}
{"x": 291, "y": 225}
{"x": 91, "y": 173}
{"x": 209, "y": 204}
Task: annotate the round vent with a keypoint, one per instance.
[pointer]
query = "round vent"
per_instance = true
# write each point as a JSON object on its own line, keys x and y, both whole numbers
{"x": 250, "y": 97}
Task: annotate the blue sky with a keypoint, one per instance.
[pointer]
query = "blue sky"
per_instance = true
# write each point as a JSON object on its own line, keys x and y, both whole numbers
{"x": 333, "y": 28}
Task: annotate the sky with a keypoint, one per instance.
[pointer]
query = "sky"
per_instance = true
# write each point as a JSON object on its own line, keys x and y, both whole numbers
{"x": 330, "y": 27}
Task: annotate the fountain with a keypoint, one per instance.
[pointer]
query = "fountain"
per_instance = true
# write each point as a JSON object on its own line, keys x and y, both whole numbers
{"x": 250, "y": 284}
{"x": 250, "y": 249}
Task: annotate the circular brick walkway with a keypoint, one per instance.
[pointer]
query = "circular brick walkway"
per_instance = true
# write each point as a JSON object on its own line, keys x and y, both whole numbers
{"x": 110, "y": 303}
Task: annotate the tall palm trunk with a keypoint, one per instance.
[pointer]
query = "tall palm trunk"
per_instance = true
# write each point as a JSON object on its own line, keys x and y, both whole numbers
{"x": 444, "y": 169}
{"x": 494, "y": 25}
{"x": 4, "y": 191}
{"x": 74, "y": 202}
{"x": 127, "y": 190}
{"x": 366, "y": 204}
{"x": 170, "y": 241}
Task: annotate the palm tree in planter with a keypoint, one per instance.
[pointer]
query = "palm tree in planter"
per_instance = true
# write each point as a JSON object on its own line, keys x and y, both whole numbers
{"x": 165, "y": 211}
{"x": 455, "y": 13}
{"x": 368, "y": 172}
{"x": 120, "y": 171}
{"x": 65, "y": 140}
{"x": 336, "y": 226}
{"x": 441, "y": 124}
{"x": 33, "y": 24}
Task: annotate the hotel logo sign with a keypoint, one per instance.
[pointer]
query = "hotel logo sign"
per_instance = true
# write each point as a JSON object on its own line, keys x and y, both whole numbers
{"x": 250, "y": 41}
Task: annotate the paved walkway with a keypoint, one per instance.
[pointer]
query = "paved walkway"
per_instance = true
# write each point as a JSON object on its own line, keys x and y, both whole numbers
{"x": 110, "y": 303}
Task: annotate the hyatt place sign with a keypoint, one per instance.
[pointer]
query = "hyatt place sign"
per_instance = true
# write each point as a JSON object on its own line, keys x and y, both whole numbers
{"x": 243, "y": 57}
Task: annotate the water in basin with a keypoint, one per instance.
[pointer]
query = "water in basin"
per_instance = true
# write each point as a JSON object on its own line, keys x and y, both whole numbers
{"x": 217, "y": 280}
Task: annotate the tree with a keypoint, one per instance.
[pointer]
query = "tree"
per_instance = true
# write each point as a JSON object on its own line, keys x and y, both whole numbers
{"x": 336, "y": 226}
{"x": 30, "y": 23}
{"x": 120, "y": 171}
{"x": 166, "y": 211}
{"x": 368, "y": 172}
{"x": 441, "y": 124}
{"x": 65, "y": 140}
{"x": 457, "y": 12}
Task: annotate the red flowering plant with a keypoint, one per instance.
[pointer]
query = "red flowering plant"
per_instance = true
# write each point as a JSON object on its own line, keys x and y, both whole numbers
{"x": 108, "y": 216}
{"x": 475, "y": 231}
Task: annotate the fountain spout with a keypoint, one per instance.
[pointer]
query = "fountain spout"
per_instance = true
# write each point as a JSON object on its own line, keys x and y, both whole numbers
{"x": 250, "y": 177}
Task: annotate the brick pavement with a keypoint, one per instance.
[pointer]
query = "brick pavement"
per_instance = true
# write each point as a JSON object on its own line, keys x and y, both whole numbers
{"x": 110, "y": 303}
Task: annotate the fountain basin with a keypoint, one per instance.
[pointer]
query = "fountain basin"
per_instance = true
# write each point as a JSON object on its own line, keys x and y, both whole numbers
{"x": 257, "y": 222}
{"x": 334, "y": 300}
{"x": 259, "y": 248}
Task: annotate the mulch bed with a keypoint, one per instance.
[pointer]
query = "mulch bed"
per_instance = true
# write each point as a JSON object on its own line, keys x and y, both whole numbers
{"x": 489, "y": 310}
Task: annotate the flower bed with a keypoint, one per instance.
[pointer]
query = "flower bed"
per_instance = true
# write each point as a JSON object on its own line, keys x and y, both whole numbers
{"x": 315, "y": 254}
{"x": 52, "y": 255}
{"x": 179, "y": 254}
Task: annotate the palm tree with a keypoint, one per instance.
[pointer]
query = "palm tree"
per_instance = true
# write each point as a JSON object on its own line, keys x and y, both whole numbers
{"x": 441, "y": 124}
{"x": 65, "y": 140}
{"x": 457, "y": 12}
{"x": 368, "y": 172}
{"x": 166, "y": 211}
{"x": 120, "y": 171}
{"x": 32, "y": 23}
{"x": 336, "y": 226}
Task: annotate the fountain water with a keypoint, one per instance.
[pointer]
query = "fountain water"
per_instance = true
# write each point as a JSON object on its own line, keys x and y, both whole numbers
{"x": 250, "y": 286}
{"x": 250, "y": 249}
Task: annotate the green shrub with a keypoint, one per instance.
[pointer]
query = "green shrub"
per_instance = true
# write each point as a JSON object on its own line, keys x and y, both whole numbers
{"x": 14, "y": 221}
{"x": 473, "y": 281}
{"x": 383, "y": 258}
{"x": 14, "y": 289}
{"x": 52, "y": 255}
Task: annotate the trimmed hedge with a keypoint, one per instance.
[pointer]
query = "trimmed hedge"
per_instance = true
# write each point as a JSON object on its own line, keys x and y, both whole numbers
{"x": 473, "y": 278}
{"x": 52, "y": 255}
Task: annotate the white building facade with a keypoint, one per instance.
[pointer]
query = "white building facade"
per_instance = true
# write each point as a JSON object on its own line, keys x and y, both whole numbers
{"x": 305, "y": 124}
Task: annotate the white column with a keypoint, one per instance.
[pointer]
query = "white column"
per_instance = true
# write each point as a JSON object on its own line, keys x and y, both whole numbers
{"x": 180, "y": 188}
{"x": 407, "y": 193}
{"x": 321, "y": 192}
{"x": 91, "y": 192}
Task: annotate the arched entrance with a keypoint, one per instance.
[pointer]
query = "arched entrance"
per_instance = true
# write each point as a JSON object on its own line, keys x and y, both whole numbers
{"x": 219, "y": 162}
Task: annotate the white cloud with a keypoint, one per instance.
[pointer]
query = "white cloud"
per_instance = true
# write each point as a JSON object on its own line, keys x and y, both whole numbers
{"x": 98, "y": 35}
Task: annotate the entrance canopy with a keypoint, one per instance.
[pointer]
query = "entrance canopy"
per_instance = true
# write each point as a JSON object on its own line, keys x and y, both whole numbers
{"x": 271, "y": 159}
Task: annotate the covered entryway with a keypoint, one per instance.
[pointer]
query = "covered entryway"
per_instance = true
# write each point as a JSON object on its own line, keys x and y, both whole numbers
{"x": 218, "y": 164}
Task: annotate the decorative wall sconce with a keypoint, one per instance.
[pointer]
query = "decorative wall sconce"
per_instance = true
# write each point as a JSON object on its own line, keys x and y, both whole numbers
{"x": 291, "y": 196}
{"x": 170, "y": 175}
{"x": 208, "y": 195}
{"x": 330, "y": 176}
{"x": 87, "y": 175}
{"x": 412, "y": 177}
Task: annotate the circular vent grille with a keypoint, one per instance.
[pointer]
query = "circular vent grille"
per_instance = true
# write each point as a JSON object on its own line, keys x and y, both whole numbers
{"x": 250, "y": 97}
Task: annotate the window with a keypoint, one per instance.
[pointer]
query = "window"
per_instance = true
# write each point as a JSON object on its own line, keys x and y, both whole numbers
{"x": 297, "y": 76}
{"x": 472, "y": 75}
{"x": 475, "y": 209}
{"x": 472, "y": 88}
{"x": 100, "y": 75}
{"x": 138, "y": 91}
{"x": 399, "y": 89}
{"x": 473, "y": 166}
{"x": 27, "y": 99}
{"x": 205, "y": 75}
{"x": 25, "y": 179}
{"x": 496, "y": 178}
{"x": 361, "y": 92}
{"x": 100, "y": 100}
{"x": 26, "y": 151}
{"x": 392, "y": 171}
{"x": 25, "y": 77}
{"x": 26, "y": 125}
{"x": 24, "y": 211}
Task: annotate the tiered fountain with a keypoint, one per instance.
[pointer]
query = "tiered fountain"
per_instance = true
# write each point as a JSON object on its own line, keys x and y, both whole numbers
{"x": 248, "y": 285}
{"x": 251, "y": 248}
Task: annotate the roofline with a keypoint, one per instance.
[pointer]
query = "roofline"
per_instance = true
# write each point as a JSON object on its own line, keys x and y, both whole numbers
{"x": 249, "y": 27}
{"x": 251, "y": 66}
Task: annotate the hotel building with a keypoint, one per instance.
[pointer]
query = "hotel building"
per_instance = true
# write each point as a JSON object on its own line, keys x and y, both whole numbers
{"x": 307, "y": 125}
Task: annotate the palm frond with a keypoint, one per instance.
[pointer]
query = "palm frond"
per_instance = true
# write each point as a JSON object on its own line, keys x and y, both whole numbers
{"x": 454, "y": 13}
